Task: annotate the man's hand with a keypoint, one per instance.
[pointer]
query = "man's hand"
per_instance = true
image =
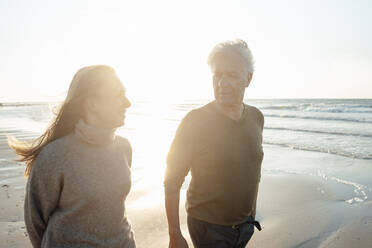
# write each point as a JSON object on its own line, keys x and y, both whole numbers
{"x": 177, "y": 241}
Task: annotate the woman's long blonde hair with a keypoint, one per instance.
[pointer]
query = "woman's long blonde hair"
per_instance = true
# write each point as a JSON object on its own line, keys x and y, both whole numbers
{"x": 86, "y": 83}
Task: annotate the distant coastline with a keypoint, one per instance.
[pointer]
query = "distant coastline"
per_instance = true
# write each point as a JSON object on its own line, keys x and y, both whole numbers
{"x": 42, "y": 102}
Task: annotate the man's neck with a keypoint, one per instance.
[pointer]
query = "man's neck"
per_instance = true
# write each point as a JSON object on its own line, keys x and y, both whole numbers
{"x": 234, "y": 111}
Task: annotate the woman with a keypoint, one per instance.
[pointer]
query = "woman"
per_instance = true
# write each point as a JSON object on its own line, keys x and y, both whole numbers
{"x": 79, "y": 170}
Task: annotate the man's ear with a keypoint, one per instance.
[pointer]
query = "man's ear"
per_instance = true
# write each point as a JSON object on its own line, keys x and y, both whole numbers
{"x": 249, "y": 79}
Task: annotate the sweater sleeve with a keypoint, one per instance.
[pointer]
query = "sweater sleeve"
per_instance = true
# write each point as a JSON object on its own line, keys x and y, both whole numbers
{"x": 43, "y": 190}
{"x": 261, "y": 123}
{"x": 180, "y": 156}
{"x": 126, "y": 147}
{"x": 129, "y": 154}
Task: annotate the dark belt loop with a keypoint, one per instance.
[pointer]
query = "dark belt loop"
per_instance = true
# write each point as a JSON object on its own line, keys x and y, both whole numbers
{"x": 257, "y": 225}
{"x": 254, "y": 222}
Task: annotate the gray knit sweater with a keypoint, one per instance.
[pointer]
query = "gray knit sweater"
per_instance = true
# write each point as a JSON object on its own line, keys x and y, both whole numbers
{"x": 76, "y": 191}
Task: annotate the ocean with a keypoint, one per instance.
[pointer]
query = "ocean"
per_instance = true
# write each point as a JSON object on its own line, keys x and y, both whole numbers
{"x": 337, "y": 127}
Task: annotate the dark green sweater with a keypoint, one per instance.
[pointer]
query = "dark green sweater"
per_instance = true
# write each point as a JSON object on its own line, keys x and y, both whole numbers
{"x": 224, "y": 157}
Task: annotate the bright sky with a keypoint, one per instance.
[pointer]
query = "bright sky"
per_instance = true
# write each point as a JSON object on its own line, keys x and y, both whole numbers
{"x": 302, "y": 49}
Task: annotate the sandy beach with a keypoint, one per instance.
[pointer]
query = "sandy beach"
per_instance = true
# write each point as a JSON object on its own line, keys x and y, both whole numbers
{"x": 147, "y": 68}
{"x": 295, "y": 209}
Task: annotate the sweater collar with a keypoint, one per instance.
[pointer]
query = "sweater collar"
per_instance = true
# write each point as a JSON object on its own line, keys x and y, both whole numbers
{"x": 224, "y": 116}
{"x": 94, "y": 135}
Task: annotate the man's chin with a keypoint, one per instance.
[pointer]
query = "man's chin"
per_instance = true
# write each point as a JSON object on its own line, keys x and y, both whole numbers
{"x": 225, "y": 102}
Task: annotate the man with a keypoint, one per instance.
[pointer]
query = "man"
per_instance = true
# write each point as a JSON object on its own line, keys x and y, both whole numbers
{"x": 221, "y": 144}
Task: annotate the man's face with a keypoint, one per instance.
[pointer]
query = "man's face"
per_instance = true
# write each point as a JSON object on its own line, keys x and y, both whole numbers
{"x": 230, "y": 78}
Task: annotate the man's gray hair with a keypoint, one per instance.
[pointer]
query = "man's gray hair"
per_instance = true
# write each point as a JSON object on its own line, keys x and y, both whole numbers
{"x": 238, "y": 47}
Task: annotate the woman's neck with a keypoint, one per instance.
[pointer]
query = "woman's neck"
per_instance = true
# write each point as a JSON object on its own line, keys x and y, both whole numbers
{"x": 94, "y": 135}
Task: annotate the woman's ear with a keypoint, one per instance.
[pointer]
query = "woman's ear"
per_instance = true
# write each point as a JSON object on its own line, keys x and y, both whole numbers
{"x": 89, "y": 106}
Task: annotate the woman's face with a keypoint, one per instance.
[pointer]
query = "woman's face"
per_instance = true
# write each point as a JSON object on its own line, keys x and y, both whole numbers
{"x": 109, "y": 104}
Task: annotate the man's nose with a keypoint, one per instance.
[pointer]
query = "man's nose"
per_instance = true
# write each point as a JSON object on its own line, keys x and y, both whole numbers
{"x": 223, "y": 82}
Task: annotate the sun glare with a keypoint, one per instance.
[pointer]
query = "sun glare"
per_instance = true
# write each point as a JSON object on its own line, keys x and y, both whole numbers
{"x": 150, "y": 128}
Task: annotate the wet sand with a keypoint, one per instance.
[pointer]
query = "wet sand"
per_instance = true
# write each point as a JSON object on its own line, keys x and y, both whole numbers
{"x": 295, "y": 209}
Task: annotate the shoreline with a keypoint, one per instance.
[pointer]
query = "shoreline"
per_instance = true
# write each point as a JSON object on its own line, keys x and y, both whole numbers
{"x": 297, "y": 206}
